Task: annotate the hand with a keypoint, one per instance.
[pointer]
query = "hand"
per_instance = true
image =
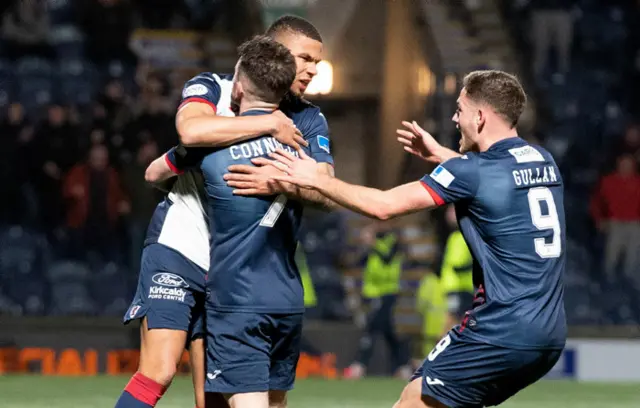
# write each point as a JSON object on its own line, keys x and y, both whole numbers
{"x": 303, "y": 171}
{"x": 286, "y": 132}
{"x": 419, "y": 142}
{"x": 256, "y": 180}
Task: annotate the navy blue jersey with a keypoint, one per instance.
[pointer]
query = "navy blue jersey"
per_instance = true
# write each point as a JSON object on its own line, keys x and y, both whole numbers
{"x": 509, "y": 204}
{"x": 253, "y": 239}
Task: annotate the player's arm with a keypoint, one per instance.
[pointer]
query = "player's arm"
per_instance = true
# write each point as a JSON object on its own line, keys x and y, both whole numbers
{"x": 312, "y": 197}
{"x": 254, "y": 180}
{"x": 317, "y": 133}
{"x": 159, "y": 173}
{"x": 174, "y": 162}
{"x": 438, "y": 188}
{"x": 371, "y": 202}
{"x": 198, "y": 124}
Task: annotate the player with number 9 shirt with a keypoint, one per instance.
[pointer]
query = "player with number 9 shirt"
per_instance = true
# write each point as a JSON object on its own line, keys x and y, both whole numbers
{"x": 508, "y": 197}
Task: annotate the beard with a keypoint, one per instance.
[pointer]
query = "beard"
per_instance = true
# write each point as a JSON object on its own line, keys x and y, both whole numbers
{"x": 466, "y": 145}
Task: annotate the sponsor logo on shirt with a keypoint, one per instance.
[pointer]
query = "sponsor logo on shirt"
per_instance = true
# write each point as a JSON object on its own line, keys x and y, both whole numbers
{"x": 323, "y": 143}
{"x": 194, "y": 90}
{"x": 158, "y": 292}
{"x": 169, "y": 279}
{"x": 526, "y": 154}
{"x": 442, "y": 176}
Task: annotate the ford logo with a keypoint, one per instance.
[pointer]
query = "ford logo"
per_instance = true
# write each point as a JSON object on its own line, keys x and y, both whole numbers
{"x": 169, "y": 279}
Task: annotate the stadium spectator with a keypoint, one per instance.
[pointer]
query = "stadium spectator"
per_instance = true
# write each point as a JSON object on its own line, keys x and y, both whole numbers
{"x": 95, "y": 202}
{"x": 630, "y": 143}
{"x": 56, "y": 142}
{"x": 552, "y": 27}
{"x": 25, "y": 29}
{"x": 116, "y": 104}
{"x": 161, "y": 14}
{"x": 107, "y": 25}
{"x": 615, "y": 208}
{"x": 143, "y": 197}
{"x": 15, "y": 164}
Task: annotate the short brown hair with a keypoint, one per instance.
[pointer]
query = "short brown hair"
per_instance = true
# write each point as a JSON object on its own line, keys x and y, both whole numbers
{"x": 269, "y": 66}
{"x": 498, "y": 89}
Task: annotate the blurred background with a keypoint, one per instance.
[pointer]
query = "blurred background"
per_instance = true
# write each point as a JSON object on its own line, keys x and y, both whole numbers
{"x": 88, "y": 93}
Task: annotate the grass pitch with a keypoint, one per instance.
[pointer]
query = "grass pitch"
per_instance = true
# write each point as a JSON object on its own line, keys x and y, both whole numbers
{"x": 102, "y": 392}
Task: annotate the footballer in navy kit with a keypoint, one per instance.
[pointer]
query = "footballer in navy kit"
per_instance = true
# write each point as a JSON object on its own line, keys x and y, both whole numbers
{"x": 508, "y": 197}
{"x": 177, "y": 241}
{"x": 255, "y": 298}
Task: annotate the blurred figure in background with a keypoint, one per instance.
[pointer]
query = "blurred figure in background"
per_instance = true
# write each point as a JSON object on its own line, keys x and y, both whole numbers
{"x": 443, "y": 301}
{"x": 25, "y": 29}
{"x": 143, "y": 197}
{"x": 456, "y": 275}
{"x": 16, "y": 169}
{"x": 431, "y": 304}
{"x": 322, "y": 237}
{"x": 107, "y": 25}
{"x": 57, "y": 150}
{"x": 95, "y": 202}
{"x": 380, "y": 289}
{"x": 552, "y": 27}
{"x": 615, "y": 208}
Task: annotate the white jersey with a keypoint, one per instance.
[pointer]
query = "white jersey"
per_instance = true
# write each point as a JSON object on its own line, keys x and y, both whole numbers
{"x": 180, "y": 222}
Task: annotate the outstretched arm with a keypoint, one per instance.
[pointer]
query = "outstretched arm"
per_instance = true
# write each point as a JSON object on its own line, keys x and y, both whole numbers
{"x": 312, "y": 197}
{"x": 374, "y": 203}
{"x": 252, "y": 180}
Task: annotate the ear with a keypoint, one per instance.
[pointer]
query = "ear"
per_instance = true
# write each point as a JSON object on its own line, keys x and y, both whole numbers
{"x": 238, "y": 91}
{"x": 480, "y": 118}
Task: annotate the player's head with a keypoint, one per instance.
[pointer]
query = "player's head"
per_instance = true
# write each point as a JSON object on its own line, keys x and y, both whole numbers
{"x": 304, "y": 42}
{"x": 264, "y": 73}
{"x": 626, "y": 164}
{"x": 489, "y": 102}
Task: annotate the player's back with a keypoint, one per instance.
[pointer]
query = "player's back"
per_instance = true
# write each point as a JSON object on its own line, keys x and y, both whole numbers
{"x": 253, "y": 239}
{"x": 515, "y": 228}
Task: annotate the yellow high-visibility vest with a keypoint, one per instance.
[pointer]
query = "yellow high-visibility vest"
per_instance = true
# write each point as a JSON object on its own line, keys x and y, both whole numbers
{"x": 382, "y": 278}
{"x": 432, "y": 304}
{"x": 310, "y": 299}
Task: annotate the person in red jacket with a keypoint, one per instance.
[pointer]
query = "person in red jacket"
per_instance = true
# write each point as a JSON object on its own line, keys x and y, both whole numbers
{"x": 95, "y": 201}
{"x": 615, "y": 208}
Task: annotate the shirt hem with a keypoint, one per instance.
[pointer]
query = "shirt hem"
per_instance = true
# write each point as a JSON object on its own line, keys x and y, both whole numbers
{"x": 509, "y": 345}
{"x": 255, "y": 310}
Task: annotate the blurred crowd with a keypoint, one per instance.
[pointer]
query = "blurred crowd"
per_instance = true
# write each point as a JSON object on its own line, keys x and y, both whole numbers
{"x": 81, "y": 118}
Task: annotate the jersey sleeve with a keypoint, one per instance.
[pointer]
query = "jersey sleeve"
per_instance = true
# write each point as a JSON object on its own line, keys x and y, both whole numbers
{"x": 452, "y": 181}
{"x": 202, "y": 88}
{"x": 317, "y": 134}
{"x": 181, "y": 158}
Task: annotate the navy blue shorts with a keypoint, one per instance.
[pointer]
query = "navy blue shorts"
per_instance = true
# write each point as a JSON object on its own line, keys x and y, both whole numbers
{"x": 461, "y": 372}
{"x": 251, "y": 352}
{"x": 170, "y": 292}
